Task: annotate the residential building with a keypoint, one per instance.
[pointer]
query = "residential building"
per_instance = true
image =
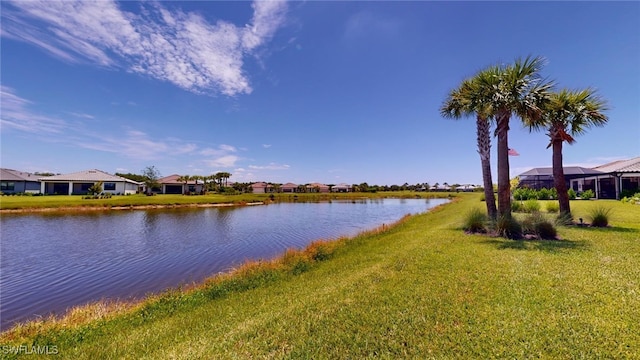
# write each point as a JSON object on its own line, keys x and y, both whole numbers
{"x": 607, "y": 181}
{"x": 289, "y": 188}
{"x": 78, "y": 183}
{"x": 16, "y": 182}
{"x": 342, "y": 187}
{"x": 538, "y": 178}
{"x": 173, "y": 185}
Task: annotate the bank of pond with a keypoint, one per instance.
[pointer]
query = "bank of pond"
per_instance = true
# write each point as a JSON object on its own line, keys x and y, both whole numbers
{"x": 54, "y": 261}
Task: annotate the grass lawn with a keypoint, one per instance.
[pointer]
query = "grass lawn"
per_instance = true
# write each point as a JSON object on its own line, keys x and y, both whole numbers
{"x": 422, "y": 289}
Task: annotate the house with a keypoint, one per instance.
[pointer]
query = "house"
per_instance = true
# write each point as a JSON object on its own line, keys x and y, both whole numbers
{"x": 607, "y": 181}
{"x": 289, "y": 188}
{"x": 538, "y": 178}
{"x": 438, "y": 187}
{"x": 80, "y": 182}
{"x": 466, "y": 188}
{"x": 342, "y": 187}
{"x": 173, "y": 185}
{"x": 618, "y": 177}
{"x": 261, "y": 188}
{"x": 317, "y": 187}
{"x": 16, "y": 182}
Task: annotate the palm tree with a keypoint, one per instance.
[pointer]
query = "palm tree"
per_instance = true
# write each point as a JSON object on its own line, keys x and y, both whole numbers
{"x": 507, "y": 90}
{"x": 225, "y": 177}
{"x": 566, "y": 114}
{"x": 464, "y": 101}
{"x": 196, "y": 179}
{"x": 184, "y": 179}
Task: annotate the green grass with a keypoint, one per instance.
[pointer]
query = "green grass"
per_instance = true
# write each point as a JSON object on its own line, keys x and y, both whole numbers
{"x": 77, "y": 201}
{"x": 422, "y": 289}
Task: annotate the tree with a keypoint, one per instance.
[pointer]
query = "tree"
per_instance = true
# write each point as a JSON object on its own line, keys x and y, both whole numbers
{"x": 464, "y": 101}
{"x": 224, "y": 178}
{"x": 95, "y": 189}
{"x": 566, "y": 114}
{"x": 184, "y": 179}
{"x": 507, "y": 90}
{"x": 151, "y": 175}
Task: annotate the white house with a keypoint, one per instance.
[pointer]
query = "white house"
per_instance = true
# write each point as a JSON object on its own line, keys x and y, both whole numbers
{"x": 80, "y": 182}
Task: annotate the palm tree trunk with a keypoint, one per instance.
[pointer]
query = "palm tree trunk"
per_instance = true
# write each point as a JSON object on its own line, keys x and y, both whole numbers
{"x": 504, "y": 186}
{"x": 558, "y": 177}
{"x": 484, "y": 149}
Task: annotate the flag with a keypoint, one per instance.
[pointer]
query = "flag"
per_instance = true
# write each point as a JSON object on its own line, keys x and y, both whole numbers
{"x": 513, "y": 152}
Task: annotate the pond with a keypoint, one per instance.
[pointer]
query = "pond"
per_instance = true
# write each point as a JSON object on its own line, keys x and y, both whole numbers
{"x": 51, "y": 262}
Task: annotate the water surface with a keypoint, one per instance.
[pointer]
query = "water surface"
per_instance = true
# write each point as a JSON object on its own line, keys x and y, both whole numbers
{"x": 50, "y": 262}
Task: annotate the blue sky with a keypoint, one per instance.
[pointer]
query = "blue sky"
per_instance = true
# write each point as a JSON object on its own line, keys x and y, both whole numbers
{"x": 299, "y": 92}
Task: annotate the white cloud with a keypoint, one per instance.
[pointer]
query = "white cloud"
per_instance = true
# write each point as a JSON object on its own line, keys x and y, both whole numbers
{"x": 15, "y": 113}
{"x": 223, "y": 156}
{"x": 223, "y": 161}
{"x": 169, "y": 45}
{"x": 221, "y": 150}
{"x": 271, "y": 166}
{"x": 266, "y": 146}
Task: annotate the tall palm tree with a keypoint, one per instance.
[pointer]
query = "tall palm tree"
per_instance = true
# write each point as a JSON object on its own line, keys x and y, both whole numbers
{"x": 184, "y": 179}
{"x": 507, "y": 90}
{"x": 568, "y": 113}
{"x": 464, "y": 101}
{"x": 225, "y": 177}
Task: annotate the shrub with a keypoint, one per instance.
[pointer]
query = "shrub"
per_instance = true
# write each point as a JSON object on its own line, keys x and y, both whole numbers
{"x": 572, "y": 194}
{"x": 587, "y": 194}
{"x": 553, "y": 194}
{"x": 564, "y": 219}
{"x": 599, "y": 216}
{"x": 516, "y": 206}
{"x": 508, "y": 227}
{"x": 524, "y": 194}
{"x": 635, "y": 199}
{"x": 535, "y": 224}
{"x": 95, "y": 189}
{"x": 628, "y": 193}
{"x": 475, "y": 221}
{"x": 552, "y": 207}
{"x": 531, "y": 206}
{"x": 544, "y": 194}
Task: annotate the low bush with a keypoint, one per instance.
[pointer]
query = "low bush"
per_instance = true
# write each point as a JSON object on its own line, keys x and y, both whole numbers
{"x": 564, "y": 219}
{"x": 536, "y": 225}
{"x": 475, "y": 221}
{"x": 524, "y": 193}
{"x": 552, "y": 207}
{"x": 600, "y": 216}
{"x": 572, "y": 194}
{"x": 544, "y": 194}
{"x": 531, "y": 206}
{"x": 516, "y": 206}
{"x": 634, "y": 199}
{"x": 508, "y": 227}
{"x": 587, "y": 194}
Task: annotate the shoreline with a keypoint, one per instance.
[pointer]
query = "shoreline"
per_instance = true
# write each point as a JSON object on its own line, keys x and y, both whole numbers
{"x": 108, "y": 308}
{"x": 124, "y": 207}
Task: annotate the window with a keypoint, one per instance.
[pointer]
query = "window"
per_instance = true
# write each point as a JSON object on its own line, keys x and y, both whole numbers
{"x": 109, "y": 186}
{"x": 7, "y": 186}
